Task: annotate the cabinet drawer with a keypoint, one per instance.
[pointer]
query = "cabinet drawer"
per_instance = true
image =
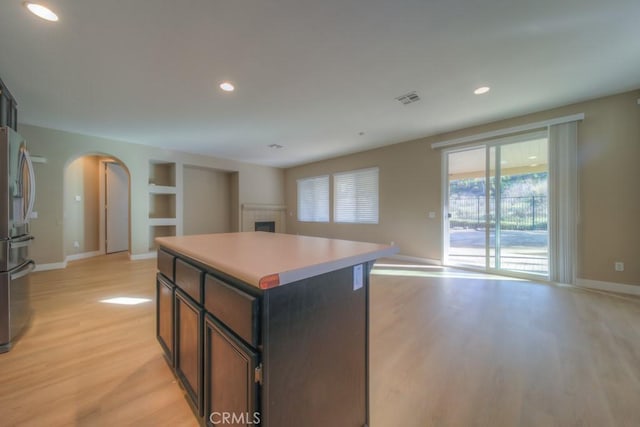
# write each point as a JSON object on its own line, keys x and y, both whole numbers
{"x": 165, "y": 263}
{"x": 236, "y": 309}
{"x": 189, "y": 279}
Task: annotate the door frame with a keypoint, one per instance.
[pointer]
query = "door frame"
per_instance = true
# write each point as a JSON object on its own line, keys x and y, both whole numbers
{"x": 487, "y": 144}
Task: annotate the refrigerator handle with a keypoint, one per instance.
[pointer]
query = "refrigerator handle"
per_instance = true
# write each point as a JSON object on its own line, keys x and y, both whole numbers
{"x": 32, "y": 186}
{"x": 24, "y": 270}
{"x": 20, "y": 243}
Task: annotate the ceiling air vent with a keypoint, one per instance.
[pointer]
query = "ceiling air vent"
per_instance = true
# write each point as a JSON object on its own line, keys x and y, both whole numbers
{"x": 408, "y": 98}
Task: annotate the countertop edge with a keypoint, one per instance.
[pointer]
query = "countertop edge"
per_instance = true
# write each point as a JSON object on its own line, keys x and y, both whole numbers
{"x": 317, "y": 269}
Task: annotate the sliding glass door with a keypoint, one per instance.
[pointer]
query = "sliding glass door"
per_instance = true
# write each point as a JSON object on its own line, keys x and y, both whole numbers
{"x": 496, "y": 202}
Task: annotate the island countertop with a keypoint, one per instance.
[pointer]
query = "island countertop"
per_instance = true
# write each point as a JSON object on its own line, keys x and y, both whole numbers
{"x": 266, "y": 260}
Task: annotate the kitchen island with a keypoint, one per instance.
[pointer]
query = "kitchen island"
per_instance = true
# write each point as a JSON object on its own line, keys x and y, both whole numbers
{"x": 268, "y": 329}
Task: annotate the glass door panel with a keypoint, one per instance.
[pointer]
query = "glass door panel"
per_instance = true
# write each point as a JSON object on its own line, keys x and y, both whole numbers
{"x": 522, "y": 243}
{"x": 466, "y": 208}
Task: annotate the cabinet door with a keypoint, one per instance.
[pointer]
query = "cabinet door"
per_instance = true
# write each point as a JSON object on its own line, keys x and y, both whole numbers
{"x": 231, "y": 387}
{"x": 164, "y": 316}
{"x": 188, "y": 352}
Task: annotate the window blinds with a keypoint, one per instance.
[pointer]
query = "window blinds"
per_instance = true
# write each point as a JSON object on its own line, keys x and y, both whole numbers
{"x": 355, "y": 196}
{"x": 313, "y": 199}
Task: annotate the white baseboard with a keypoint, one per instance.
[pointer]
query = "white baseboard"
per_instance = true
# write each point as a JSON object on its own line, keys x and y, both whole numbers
{"x": 51, "y": 266}
{"x": 148, "y": 255}
{"x": 83, "y": 255}
{"x": 620, "y": 288}
{"x": 416, "y": 259}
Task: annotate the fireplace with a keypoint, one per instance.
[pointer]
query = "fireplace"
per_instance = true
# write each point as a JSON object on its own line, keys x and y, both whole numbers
{"x": 269, "y": 226}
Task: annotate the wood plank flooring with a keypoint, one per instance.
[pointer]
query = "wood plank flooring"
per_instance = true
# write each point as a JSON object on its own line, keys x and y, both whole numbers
{"x": 454, "y": 348}
{"x": 86, "y": 363}
{"x": 448, "y": 348}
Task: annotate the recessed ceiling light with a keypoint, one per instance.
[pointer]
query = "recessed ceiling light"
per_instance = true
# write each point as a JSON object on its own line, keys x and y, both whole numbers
{"x": 275, "y": 146}
{"x": 41, "y": 11}
{"x": 482, "y": 90}
{"x": 361, "y": 133}
{"x": 227, "y": 86}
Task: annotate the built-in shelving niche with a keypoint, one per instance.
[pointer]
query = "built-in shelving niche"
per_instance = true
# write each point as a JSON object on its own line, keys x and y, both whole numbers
{"x": 163, "y": 199}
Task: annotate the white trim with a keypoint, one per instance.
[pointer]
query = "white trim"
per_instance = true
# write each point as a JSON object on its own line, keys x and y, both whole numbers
{"x": 153, "y": 222}
{"x": 82, "y": 255}
{"x": 414, "y": 259}
{"x": 138, "y": 257}
{"x": 501, "y": 132}
{"x": 620, "y": 288}
{"x": 51, "y": 266}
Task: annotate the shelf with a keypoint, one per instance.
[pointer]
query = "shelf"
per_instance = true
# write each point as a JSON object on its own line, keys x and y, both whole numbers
{"x": 161, "y": 189}
{"x": 159, "y": 222}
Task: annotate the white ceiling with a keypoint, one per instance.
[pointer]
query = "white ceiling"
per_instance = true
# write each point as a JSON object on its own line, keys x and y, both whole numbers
{"x": 310, "y": 75}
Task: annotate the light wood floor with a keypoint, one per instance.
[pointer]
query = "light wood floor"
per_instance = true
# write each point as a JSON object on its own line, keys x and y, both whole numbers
{"x": 448, "y": 348}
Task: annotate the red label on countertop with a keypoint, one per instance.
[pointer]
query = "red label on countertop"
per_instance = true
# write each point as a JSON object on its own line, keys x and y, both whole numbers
{"x": 270, "y": 281}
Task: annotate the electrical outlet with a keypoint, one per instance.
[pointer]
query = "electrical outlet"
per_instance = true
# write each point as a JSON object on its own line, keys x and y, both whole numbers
{"x": 619, "y": 266}
{"x": 76, "y": 244}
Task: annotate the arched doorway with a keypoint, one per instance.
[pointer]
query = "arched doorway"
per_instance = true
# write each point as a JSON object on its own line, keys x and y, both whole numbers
{"x": 88, "y": 182}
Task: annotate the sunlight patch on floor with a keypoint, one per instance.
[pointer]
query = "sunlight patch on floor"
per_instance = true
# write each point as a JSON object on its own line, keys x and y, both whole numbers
{"x": 125, "y": 300}
{"x": 432, "y": 271}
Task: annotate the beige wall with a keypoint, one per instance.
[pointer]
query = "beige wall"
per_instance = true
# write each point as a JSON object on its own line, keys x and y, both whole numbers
{"x": 207, "y": 201}
{"x": 81, "y": 216}
{"x": 410, "y": 187}
{"x": 256, "y": 184}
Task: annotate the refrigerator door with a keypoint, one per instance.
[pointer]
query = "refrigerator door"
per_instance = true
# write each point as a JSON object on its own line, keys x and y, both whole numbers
{"x": 15, "y": 308}
{"x": 16, "y": 184}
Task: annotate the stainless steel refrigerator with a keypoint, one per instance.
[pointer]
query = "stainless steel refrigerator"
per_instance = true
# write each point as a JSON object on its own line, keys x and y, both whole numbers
{"x": 17, "y": 195}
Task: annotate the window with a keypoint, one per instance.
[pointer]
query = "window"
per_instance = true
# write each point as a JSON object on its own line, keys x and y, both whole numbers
{"x": 355, "y": 195}
{"x": 313, "y": 199}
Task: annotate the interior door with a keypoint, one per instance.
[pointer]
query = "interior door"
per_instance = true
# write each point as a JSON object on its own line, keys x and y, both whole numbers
{"x": 117, "y": 208}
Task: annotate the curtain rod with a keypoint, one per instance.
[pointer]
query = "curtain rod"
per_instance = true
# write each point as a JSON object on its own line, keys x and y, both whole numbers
{"x": 507, "y": 131}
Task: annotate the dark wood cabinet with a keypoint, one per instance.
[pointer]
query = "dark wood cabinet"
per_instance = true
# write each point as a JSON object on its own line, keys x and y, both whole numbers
{"x": 231, "y": 377}
{"x": 188, "y": 347}
{"x": 164, "y": 319}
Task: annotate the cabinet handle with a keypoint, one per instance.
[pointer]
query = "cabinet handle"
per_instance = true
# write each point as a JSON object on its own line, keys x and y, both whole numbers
{"x": 258, "y": 374}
